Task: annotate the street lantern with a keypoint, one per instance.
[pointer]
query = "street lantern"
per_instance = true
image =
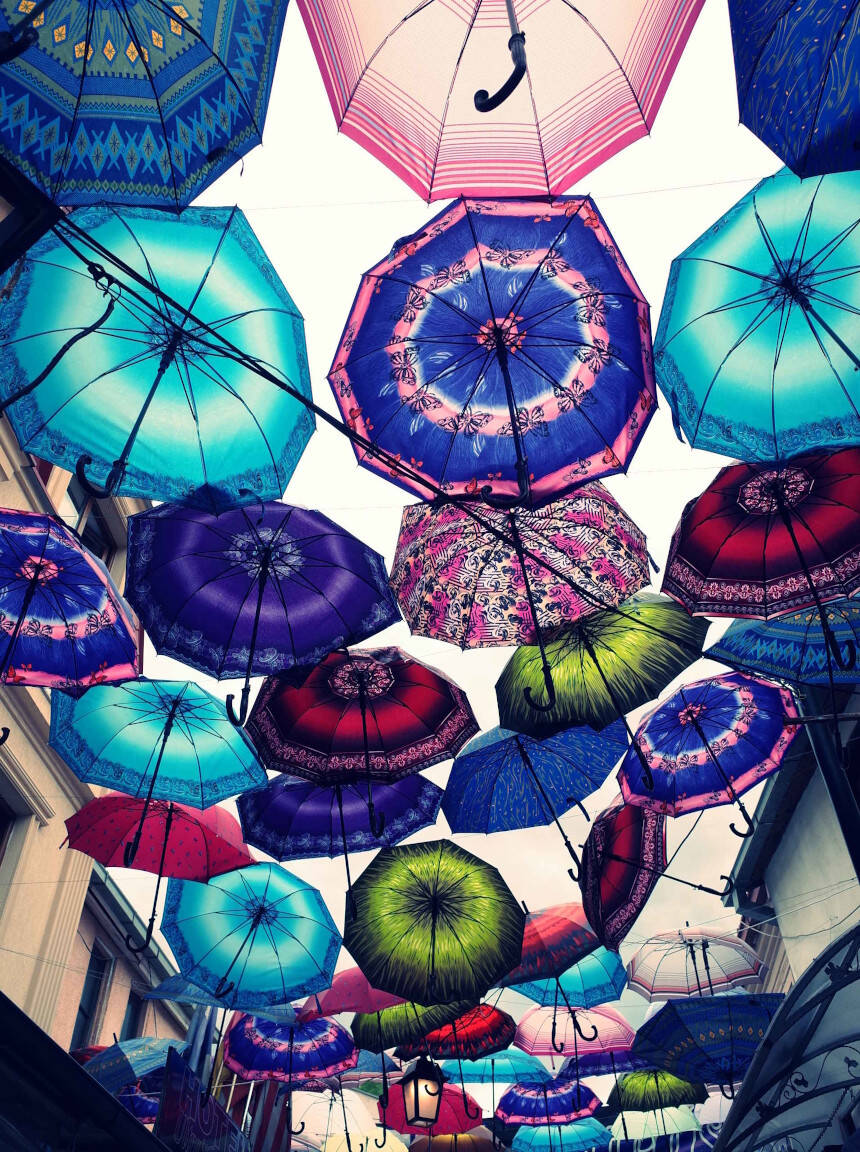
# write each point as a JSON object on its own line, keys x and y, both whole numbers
{"x": 422, "y": 1093}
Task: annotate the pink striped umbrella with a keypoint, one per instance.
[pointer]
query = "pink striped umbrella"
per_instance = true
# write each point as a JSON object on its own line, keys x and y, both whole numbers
{"x": 543, "y": 1032}
{"x": 407, "y": 80}
{"x": 692, "y": 962}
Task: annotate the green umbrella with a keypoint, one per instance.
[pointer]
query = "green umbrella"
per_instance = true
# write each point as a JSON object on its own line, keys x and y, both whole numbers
{"x": 403, "y": 1023}
{"x": 648, "y": 1091}
{"x": 433, "y": 923}
{"x": 602, "y": 667}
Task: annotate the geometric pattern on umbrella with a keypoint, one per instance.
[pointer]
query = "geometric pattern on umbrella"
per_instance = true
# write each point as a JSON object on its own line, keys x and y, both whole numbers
{"x": 554, "y": 939}
{"x": 623, "y": 857}
{"x": 647, "y": 1091}
{"x": 456, "y": 581}
{"x": 554, "y": 1102}
{"x": 766, "y": 539}
{"x": 458, "y": 1112}
{"x": 667, "y": 966}
{"x": 62, "y": 620}
{"x": 587, "y": 1135}
{"x": 404, "y": 1023}
{"x": 504, "y": 346}
{"x": 478, "y": 1033}
{"x": 370, "y": 712}
{"x": 593, "y": 980}
{"x": 257, "y": 1049}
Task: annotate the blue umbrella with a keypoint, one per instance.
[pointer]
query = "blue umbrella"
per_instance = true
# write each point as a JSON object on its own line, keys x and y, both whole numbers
{"x": 599, "y": 977}
{"x": 583, "y": 1136}
{"x": 603, "y": 1062}
{"x": 693, "y": 1140}
{"x": 558, "y": 1101}
{"x": 796, "y": 67}
{"x": 259, "y": 1049}
{"x": 126, "y": 1061}
{"x": 256, "y": 936}
{"x": 133, "y": 102}
{"x": 505, "y": 780}
{"x": 183, "y": 991}
{"x": 137, "y": 377}
{"x": 501, "y": 1068}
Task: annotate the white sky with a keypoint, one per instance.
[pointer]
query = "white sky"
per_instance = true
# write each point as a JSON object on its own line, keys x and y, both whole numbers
{"x": 325, "y": 211}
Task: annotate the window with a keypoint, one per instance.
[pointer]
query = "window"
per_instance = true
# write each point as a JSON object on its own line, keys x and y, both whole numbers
{"x": 95, "y": 983}
{"x": 80, "y": 511}
{"x": 131, "y": 1020}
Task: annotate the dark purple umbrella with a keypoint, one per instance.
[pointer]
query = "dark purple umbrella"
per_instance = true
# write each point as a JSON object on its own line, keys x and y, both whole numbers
{"x": 254, "y": 590}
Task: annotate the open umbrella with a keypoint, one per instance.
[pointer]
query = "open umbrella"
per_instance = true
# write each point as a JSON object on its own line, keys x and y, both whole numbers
{"x": 411, "y": 87}
{"x": 403, "y": 1023}
{"x": 253, "y": 590}
{"x": 499, "y": 1068}
{"x": 789, "y": 61}
{"x": 433, "y": 923}
{"x": 688, "y": 1140}
{"x": 558, "y": 1101}
{"x": 129, "y": 382}
{"x": 350, "y": 991}
{"x": 259, "y": 935}
{"x": 125, "y": 1061}
{"x": 540, "y": 1034}
{"x": 586, "y": 1135}
{"x": 473, "y": 1035}
{"x": 456, "y": 581}
{"x": 598, "y": 977}
{"x": 458, "y": 1112}
{"x": 759, "y": 320}
{"x": 258, "y": 1049}
{"x": 62, "y": 620}
{"x": 492, "y": 325}
{"x": 185, "y": 991}
{"x": 632, "y": 1129}
{"x": 554, "y": 938}
{"x": 650, "y": 1091}
{"x": 692, "y": 962}
{"x": 476, "y": 1140}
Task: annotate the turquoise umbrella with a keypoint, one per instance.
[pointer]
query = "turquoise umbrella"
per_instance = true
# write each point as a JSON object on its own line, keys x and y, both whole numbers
{"x": 506, "y": 1067}
{"x": 257, "y": 936}
{"x": 134, "y": 379}
{"x": 599, "y": 977}
{"x": 757, "y": 346}
{"x": 582, "y": 1136}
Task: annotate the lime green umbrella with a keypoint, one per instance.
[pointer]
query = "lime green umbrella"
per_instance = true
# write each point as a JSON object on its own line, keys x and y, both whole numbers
{"x": 647, "y": 1090}
{"x": 433, "y": 923}
{"x": 403, "y": 1023}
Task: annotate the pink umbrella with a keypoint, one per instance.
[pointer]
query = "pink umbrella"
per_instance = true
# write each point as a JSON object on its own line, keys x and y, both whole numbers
{"x": 543, "y": 1032}
{"x": 692, "y": 962}
{"x": 407, "y": 81}
{"x": 350, "y": 991}
{"x": 458, "y": 1112}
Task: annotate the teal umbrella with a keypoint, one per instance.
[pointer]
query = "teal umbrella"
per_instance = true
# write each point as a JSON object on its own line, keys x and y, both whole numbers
{"x": 597, "y": 978}
{"x": 586, "y": 1135}
{"x": 135, "y": 379}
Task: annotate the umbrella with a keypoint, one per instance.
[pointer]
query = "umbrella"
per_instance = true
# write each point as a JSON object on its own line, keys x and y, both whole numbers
{"x": 690, "y": 1140}
{"x": 458, "y": 1112}
{"x": 138, "y": 380}
{"x": 63, "y": 620}
{"x": 586, "y": 1135}
{"x": 404, "y": 87}
{"x": 259, "y": 935}
{"x": 350, "y": 991}
{"x": 474, "y": 1035}
{"x": 373, "y": 713}
{"x": 367, "y": 1068}
{"x": 790, "y": 62}
{"x": 322, "y": 1117}
{"x": 126, "y": 1061}
{"x": 403, "y": 1023}
{"x": 253, "y": 590}
{"x": 759, "y": 318}
{"x": 257, "y": 1049}
{"x": 433, "y": 922}
{"x": 666, "y": 1126}
{"x": 173, "y": 99}
{"x": 165, "y": 838}
{"x": 710, "y": 742}
{"x": 292, "y": 819}
{"x": 477, "y": 1140}
{"x": 494, "y": 325}
{"x": 504, "y": 780}
{"x": 692, "y": 962}
{"x": 540, "y": 1033}
{"x": 602, "y": 667}
{"x": 143, "y": 1098}
{"x": 547, "y": 1102}
{"x": 647, "y": 1091}
{"x": 184, "y": 991}
{"x": 604, "y": 1059}
{"x": 456, "y": 581}
{"x": 500, "y": 1067}
{"x": 553, "y": 940}
{"x": 596, "y": 978}
{"x": 712, "y": 1038}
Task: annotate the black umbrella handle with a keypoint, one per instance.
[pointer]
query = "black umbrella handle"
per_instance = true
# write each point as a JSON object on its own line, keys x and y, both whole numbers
{"x": 484, "y": 102}
{"x": 114, "y": 478}
{"x": 238, "y": 719}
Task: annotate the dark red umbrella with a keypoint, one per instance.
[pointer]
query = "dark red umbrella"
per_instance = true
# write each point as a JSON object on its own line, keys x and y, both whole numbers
{"x": 479, "y": 1032}
{"x": 554, "y": 939}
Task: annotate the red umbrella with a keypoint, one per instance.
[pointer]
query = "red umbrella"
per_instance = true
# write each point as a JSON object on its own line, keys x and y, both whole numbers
{"x": 350, "y": 991}
{"x": 458, "y": 1112}
{"x": 481, "y": 1031}
{"x": 175, "y": 840}
{"x": 554, "y": 939}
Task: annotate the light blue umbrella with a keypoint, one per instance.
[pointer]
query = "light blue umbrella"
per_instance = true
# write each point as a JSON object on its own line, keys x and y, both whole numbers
{"x": 126, "y": 1061}
{"x": 257, "y": 936}
{"x": 183, "y": 991}
{"x": 502, "y": 1068}
{"x": 579, "y": 1137}
{"x": 599, "y": 977}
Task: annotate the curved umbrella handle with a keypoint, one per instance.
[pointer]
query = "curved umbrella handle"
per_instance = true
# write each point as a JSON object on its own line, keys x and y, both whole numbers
{"x": 4, "y": 735}
{"x": 136, "y": 949}
{"x": 550, "y": 693}
{"x": 222, "y": 989}
{"x": 93, "y": 489}
{"x": 556, "y": 1047}
{"x": 727, "y": 1091}
{"x": 484, "y": 102}
{"x": 579, "y": 1031}
{"x": 238, "y": 720}
{"x": 743, "y": 833}
{"x": 384, "y": 1131}
{"x": 572, "y": 800}
{"x": 297, "y": 1131}
{"x": 576, "y": 871}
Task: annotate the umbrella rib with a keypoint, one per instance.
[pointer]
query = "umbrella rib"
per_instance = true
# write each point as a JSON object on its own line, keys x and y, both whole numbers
{"x": 849, "y": 13}
{"x": 454, "y": 74}
{"x": 388, "y": 278}
{"x": 61, "y": 168}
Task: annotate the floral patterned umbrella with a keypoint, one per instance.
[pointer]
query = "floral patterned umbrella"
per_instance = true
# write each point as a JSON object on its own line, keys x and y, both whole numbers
{"x": 258, "y": 1049}
{"x": 558, "y": 1101}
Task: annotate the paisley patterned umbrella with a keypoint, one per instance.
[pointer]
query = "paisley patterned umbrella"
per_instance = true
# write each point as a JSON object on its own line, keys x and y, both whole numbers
{"x": 257, "y": 1049}
{"x": 556, "y": 1101}
{"x": 473, "y": 1035}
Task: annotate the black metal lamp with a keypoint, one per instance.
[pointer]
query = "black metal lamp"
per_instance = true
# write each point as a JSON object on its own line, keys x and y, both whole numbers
{"x": 422, "y": 1093}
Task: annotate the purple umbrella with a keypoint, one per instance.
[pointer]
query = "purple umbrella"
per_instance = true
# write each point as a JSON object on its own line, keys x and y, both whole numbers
{"x": 254, "y": 590}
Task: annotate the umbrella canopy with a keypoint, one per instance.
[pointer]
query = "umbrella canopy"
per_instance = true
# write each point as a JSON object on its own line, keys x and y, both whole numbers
{"x": 368, "y": 1068}
{"x": 596, "y": 978}
{"x": 501, "y": 1068}
{"x": 490, "y": 327}
{"x": 350, "y": 991}
{"x": 403, "y": 1023}
{"x": 623, "y": 857}
{"x": 162, "y": 739}
{"x": 554, "y": 938}
{"x": 692, "y": 962}
{"x": 712, "y": 1039}
{"x": 143, "y": 1098}
{"x": 788, "y": 62}
{"x": 257, "y": 1049}
{"x": 258, "y": 934}
{"x": 143, "y": 394}
{"x": 137, "y": 126}
{"x": 477, "y": 1140}
{"x": 757, "y": 315}
{"x": 63, "y": 620}
{"x": 766, "y": 539}
{"x": 603, "y": 667}
{"x": 433, "y": 922}
{"x": 184, "y": 991}
{"x": 325, "y": 1117}
{"x": 458, "y": 1112}
{"x": 794, "y": 647}
{"x": 547, "y": 1102}
{"x": 473, "y": 1035}
{"x": 456, "y": 580}
{"x": 406, "y": 87}
{"x": 647, "y": 1091}
{"x": 604, "y": 1059}
{"x": 586, "y": 1135}
{"x": 126, "y": 1061}
{"x": 665, "y": 1125}
{"x": 708, "y": 743}
{"x": 540, "y": 1033}
{"x": 689, "y": 1140}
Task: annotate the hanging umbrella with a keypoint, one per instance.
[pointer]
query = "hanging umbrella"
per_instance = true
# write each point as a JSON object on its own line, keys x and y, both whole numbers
{"x": 554, "y": 938}
{"x": 125, "y": 1061}
{"x": 710, "y": 742}
{"x": 184, "y": 991}
{"x": 712, "y": 1038}
{"x": 494, "y": 324}
{"x": 257, "y": 1049}
{"x": 324, "y": 1117}
{"x": 367, "y": 1068}
{"x": 173, "y": 98}
{"x": 164, "y": 838}
{"x": 433, "y": 922}
{"x": 477, "y": 1140}
{"x": 403, "y": 1023}
{"x": 547, "y": 1102}
{"x": 143, "y": 1098}
{"x": 541, "y": 1032}
{"x": 607, "y": 1058}
{"x": 475, "y": 1034}
{"x": 692, "y": 962}
{"x": 411, "y": 87}
{"x": 133, "y": 380}
{"x": 253, "y": 590}
{"x": 587, "y": 1135}
{"x": 500, "y": 1068}
{"x": 457, "y": 581}
{"x": 759, "y": 318}
{"x": 504, "y": 780}
{"x": 63, "y": 621}
{"x": 258, "y": 934}
{"x": 458, "y": 1112}
{"x": 653, "y": 1090}
{"x": 598, "y": 977}
{"x": 666, "y": 1126}
{"x": 350, "y": 991}
{"x": 602, "y": 667}
{"x": 794, "y": 647}
{"x": 691, "y": 1140}
{"x": 789, "y": 61}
